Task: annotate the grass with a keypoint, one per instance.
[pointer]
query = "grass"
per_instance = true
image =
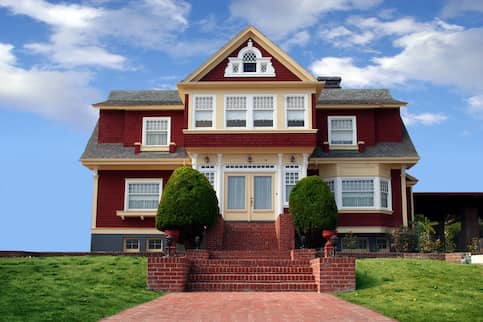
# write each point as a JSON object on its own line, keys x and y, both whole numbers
{"x": 83, "y": 288}
{"x": 419, "y": 290}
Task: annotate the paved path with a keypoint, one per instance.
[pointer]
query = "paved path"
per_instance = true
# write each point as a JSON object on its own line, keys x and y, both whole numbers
{"x": 248, "y": 306}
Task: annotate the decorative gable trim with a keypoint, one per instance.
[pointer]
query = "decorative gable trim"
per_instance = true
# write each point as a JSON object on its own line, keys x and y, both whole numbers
{"x": 249, "y": 63}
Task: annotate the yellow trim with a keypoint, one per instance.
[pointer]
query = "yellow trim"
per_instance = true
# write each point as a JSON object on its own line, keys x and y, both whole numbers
{"x": 146, "y": 231}
{"x": 343, "y": 147}
{"x": 129, "y": 164}
{"x": 140, "y": 107}
{"x": 362, "y": 230}
{"x": 410, "y": 161}
{"x": 135, "y": 214}
{"x": 354, "y": 170}
{"x": 237, "y": 41}
{"x": 94, "y": 199}
{"x": 248, "y": 150}
{"x": 358, "y": 106}
{"x": 154, "y": 148}
{"x": 365, "y": 211}
{"x": 404, "y": 198}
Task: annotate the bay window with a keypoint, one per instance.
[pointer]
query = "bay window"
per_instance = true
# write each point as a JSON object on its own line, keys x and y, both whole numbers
{"x": 236, "y": 111}
{"x": 358, "y": 193}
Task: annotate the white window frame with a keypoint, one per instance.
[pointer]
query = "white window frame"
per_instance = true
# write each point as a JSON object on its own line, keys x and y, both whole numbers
{"x": 161, "y": 118}
{"x": 285, "y": 107}
{"x": 249, "y": 111}
{"x": 208, "y": 169}
{"x": 131, "y": 250}
{"x": 354, "y": 129}
{"x": 143, "y": 180}
{"x": 377, "y": 192}
{"x": 154, "y": 250}
{"x": 213, "y": 111}
{"x": 289, "y": 169}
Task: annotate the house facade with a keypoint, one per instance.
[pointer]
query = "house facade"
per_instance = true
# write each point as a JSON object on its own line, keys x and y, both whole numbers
{"x": 254, "y": 122}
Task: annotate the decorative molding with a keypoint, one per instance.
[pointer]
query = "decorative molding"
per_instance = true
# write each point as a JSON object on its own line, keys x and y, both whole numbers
{"x": 249, "y": 55}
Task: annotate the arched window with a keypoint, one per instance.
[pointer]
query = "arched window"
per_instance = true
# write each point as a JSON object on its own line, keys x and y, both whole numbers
{"x": 249, "y": 62}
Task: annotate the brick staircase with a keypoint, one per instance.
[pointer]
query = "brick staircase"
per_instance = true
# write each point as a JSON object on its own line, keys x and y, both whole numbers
{"x": 250, "y": 236}
{"x": 251, "y": 271}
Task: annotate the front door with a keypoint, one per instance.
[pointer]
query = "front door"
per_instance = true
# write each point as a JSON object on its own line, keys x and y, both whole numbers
{"x": 249, "y": 196}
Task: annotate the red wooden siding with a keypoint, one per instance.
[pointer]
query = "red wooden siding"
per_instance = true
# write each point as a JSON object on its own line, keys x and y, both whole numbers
{"x": 378, "y": 219}
{"x": 111, "y": 197}
{"x": 126, "y": 126}
{"x": 373, "y": 125}
{"x": 250, "y": 140}
{"x": 282, "y": 73}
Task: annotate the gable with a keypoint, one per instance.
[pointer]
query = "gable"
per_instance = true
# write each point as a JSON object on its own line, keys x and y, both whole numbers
{"x": 282, "y": 73}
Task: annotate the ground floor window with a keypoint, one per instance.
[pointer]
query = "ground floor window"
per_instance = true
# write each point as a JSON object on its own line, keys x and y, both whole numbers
{"x": 131, "y": 245}
{"x": 142, "y": 194}
{"x": 381, "y": 244}
{"x": 154, "y": 245}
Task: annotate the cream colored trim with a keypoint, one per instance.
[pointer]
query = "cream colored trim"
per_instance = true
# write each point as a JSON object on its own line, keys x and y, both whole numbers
{"x": 343, "y": 147}
{"x": 412, "y": 204}
{"x": 94, "y": 198}
{"x": 362, "y": 230}
{"x": 124, "y": 248}
{"x": 140, "y": 107}
{"x": 147, "y": 231}
{"x": 154, "y": 148}
{"x": 405, "y": 160}
{"x": 312, "y": 86}
{"x": 114, "y": 164}
{"x": 359, "y": 106}
{"x": 237, "y": 41}
{"x": 135, "y": 214}
{"x": 248, "y": 150}
{"x": 404, "y": 197}
{"x": 365, "y": 211}
{"x": 250, "y": 131}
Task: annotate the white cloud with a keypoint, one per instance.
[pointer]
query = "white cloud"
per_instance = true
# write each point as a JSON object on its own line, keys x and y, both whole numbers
{"x": 55, "y": 95}
{"x": 279, "y": 18}
{"x": 300, "y": 39}
{"x": 458, "y": 7}
{"x": 422, "y": 118}
{"x": 475, "y": 106}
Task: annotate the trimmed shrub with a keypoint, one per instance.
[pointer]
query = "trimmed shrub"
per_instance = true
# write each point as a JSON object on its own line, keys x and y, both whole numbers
{"x": 188, "y": 202}
{"x": 312, "y": 206}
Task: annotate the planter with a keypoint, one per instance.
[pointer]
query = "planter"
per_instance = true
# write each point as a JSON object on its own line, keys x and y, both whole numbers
{"x": 328, "y": 248}
{"x": 328, "y": 233}
{"x": 173, "y": 233}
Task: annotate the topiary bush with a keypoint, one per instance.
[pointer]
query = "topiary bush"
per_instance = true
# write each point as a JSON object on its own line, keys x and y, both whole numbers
{"x": 312, "y": 206}
{"x": 188, "y": 202}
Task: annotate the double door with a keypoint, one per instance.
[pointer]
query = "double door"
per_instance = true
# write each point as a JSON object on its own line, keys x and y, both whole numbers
{"x": 249, "y": 196}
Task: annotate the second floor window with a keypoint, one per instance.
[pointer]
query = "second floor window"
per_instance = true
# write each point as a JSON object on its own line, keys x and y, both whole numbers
{"x": 156, "y": 131}
{"x": 295, "y": 106}
{"x": 236, "y": 111}
{"x": 249, "y": 111}
{"x": 342, "y": 130}
{"x": 263, "y": 111}
{"x": 203, "y": 107}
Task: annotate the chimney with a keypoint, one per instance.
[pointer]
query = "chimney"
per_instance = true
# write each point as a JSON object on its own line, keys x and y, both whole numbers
{"x": 330, "y": 81}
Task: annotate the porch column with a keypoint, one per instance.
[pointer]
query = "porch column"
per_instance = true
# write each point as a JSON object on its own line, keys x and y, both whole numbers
{"x": 280, "y": 184}
{"x": 404, "y": 198}
{"x": 219, "y": 180}
{"x": 194, "y": 161}
{"x": 94, "y": 198}
{"x": 305, "y": 163}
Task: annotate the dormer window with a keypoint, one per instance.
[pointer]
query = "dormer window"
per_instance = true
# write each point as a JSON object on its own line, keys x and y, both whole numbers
{"x": 249, "y": 63}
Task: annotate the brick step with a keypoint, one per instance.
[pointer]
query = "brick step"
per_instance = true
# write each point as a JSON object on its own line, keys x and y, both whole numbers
{"x": 215, "y": 269}
{"x": 237, "y": 287}
{"x": 234, "y": 254}
{"x": 267, "y": 278}
{"x": 251, "y": 262}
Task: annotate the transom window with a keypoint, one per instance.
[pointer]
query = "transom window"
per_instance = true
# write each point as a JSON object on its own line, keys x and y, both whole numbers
{"x": 342, "y": 130}
{"x": 204, "y": 108}
{"x": 249, "y": 111}
{"x": 131, "y": 245}
{"x": 143, "y": 194}
{"x": 296, "y": 107}
{"x": 156, "y": 131}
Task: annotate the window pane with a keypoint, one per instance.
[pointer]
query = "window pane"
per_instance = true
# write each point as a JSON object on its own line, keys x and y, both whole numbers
{"x": 156, "y": 138}
{"x": 358, "y": 193}
{"x": 210, "y": 176}
{"x": 263, "y": 118}
{"x": 154, "y": 244}
{"x": 295, "y": 103}
{"x": 143, "y": 195}
{"x": 291, "y": 178}
{"x": 341, "y": 131}
{"x": 341, "y": 137}
{"x": 132, "y": 244}
{"x": 203, "y": 119}
{"x": 236, "y": 192}
{"x": 295, "y": 118}
{"x": 263, "y": 192}
{"x": 384, "y": 194}
{"x": 249, "y": 67}
{"x": 236, "y": 119}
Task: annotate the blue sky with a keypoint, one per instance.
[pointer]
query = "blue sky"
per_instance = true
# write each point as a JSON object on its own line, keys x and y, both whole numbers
{"x": 57, "y": 58}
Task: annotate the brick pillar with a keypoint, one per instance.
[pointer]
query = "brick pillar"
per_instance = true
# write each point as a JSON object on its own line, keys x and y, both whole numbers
{"x": 334, "y": 274}
{"x": 168, "y": 273}
{"x": 305, "y": 253}
{"x": 285, "y": 232}
{"x": 214, "y": 235}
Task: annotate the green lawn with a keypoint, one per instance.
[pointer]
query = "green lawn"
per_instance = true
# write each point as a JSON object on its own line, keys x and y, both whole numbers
{"x": 83, "y": 288}
{"x": 419, "y": 290}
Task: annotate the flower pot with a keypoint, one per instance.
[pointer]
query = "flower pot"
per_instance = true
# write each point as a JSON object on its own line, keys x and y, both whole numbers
{"x": 328, "y": 247}
{"x": 173, "y": 233}
{"x": 328, "y": 233}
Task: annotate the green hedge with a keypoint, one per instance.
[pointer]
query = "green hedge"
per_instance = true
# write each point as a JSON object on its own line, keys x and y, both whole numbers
{"x": 312, "y": 206}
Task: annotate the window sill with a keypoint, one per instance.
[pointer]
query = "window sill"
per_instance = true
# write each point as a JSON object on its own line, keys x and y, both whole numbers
{"x": 365, "y": 211}
{"x": 343, "y": 147}
{"x": 246, "y": 130}
{"x": 136, "y": 214}
{"x": 148, "y": 148}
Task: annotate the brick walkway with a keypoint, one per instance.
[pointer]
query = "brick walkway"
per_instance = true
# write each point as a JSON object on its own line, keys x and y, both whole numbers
{"x": 248, "y": 306}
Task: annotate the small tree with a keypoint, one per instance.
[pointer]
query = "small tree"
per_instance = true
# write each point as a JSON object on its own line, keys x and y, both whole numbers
{"x": 188, "y": 202}
{"x": 312, "y": 206}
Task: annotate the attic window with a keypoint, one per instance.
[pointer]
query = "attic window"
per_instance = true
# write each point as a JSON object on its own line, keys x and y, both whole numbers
{"x": 249, "y": 62}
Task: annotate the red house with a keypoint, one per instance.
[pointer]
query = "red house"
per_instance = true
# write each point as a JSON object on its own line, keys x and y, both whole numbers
{"x": 254, "y": 122}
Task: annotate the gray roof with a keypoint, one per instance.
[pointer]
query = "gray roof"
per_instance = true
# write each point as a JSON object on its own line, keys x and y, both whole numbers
{"x": 151, "y": 97}
{"x": 327, "y": 96}
{"x": 95, "y": 150}
{"x": 356, "y": 96}
{"x": 405, "y": 148}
